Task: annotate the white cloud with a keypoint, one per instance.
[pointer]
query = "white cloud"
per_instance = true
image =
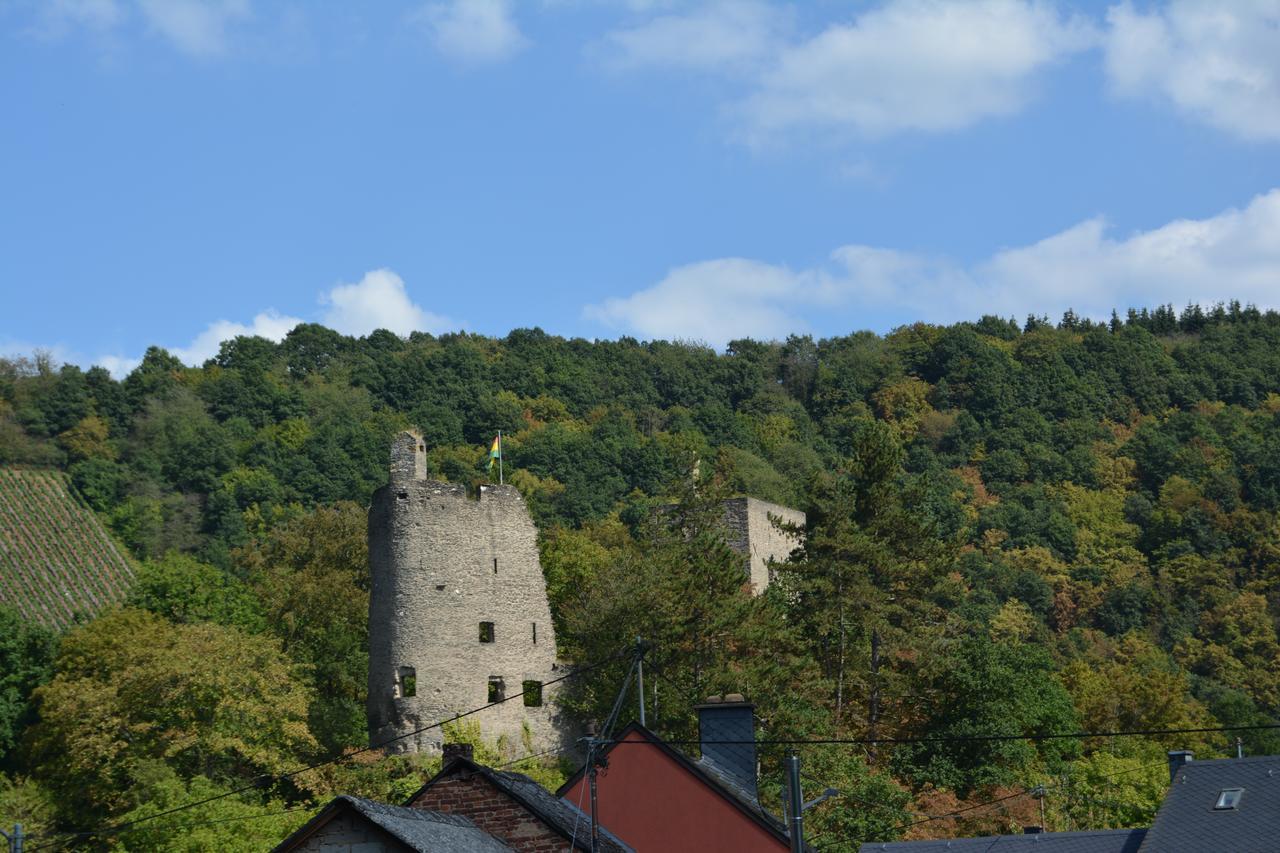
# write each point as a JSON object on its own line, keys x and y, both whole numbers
{"x": 712, "y": 302}
{"x": 95, "y": 14}
{"x": 267, "y": 324}
{"x": 117, "y": 365}
{"x": 378, "y": 301}
{"x": 930, "y": 65}
{"x": 924, "y": 65}
{"x": 197, "y": 27}
{"x": 1218, "y": 62}
{"x": 473, "y": 31}
{"x": 1233, "y": 255}
{"x": 721, "y": 36}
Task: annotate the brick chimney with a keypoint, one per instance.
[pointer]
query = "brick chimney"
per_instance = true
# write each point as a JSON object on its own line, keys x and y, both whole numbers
{"x": 457, "y": 750}
{"x": 727, "y": 733}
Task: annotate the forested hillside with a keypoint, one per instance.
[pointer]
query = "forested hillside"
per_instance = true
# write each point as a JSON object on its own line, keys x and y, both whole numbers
{"x": 1014, "y": 529}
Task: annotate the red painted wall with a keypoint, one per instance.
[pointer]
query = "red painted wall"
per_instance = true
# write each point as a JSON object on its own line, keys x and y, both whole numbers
{"x": 652, "y": 803}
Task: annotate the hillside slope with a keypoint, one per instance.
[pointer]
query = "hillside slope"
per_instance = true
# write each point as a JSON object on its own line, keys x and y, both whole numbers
{"x": 56, "y": 560}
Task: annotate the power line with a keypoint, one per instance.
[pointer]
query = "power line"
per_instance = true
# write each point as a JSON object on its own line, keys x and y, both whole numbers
{"x": 977, "y": 738}
{"x": 266, "y": 780}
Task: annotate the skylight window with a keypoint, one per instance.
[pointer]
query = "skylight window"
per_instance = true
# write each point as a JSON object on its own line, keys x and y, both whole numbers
{"x": 1229, "y": 798}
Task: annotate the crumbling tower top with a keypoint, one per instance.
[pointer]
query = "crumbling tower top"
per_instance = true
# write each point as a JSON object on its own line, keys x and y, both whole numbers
{"x": 408, "y": 457}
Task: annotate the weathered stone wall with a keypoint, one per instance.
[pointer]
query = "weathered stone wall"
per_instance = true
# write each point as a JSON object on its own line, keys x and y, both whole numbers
{"x": 442, "y": 563}
{"x": 749, "y": 532}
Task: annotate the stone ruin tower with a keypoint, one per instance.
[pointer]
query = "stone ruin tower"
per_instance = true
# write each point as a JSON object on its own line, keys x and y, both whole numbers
{"x": 750, "y": 533}
{"x": 458, "y": 613}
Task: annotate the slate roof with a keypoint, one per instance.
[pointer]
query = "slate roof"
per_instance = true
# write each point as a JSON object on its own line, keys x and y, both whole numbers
{"x": 1089, "y": 841}
{"x": 562, "y": 816}
{"x": 1187, "y": 820}
{"x": 419, "y": 830}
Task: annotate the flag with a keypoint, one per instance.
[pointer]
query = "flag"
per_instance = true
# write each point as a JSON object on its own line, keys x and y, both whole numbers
{"x": 495, "y": 452}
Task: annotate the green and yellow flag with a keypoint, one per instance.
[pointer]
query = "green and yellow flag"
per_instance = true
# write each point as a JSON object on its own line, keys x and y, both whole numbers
{"x": 495, "y": 452}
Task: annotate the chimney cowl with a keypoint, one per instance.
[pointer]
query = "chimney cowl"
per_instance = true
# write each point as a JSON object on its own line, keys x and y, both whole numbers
{"x": 458, "y": 750}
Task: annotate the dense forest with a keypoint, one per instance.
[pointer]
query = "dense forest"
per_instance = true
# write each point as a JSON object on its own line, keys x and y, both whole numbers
{"x": 1014, "y": 528}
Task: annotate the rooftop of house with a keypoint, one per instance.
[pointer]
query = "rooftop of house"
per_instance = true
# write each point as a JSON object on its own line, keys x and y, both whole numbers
{"x": 1097, "y": 841}
{"x": 417, "y": 829}
{"x": 1232, "y": 801}
{"x": 563, "y": 816}
{"x": 712, "y": 775}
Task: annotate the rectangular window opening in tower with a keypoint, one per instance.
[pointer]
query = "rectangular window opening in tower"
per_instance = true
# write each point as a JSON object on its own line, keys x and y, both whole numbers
{"x": 532, "y": 694}
{"x": 486, "y": 632}
{"x": 497, "y": 690}
{"x": 406, "y": 682}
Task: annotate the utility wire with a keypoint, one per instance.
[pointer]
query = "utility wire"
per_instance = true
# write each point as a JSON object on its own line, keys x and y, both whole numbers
{"x": 978, "y": 738}
{"x": 266, "y": 780}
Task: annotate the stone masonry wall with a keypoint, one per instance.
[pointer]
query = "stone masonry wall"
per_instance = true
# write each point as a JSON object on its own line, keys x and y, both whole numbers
{"x": 749, "y": 532}
{"x": 473, "y": 797}
{"x": 442, "y": 563}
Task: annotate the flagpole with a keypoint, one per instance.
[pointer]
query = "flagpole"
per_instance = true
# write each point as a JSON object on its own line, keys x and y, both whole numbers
{"x": 500, "y": 480}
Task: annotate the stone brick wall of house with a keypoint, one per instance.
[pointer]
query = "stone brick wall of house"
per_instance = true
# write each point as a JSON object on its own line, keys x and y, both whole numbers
{"x": 349, "y": 834}
{"x": 457, "y": 601}
{"x": 476, "y": 799}
{"x": 749, "y": 532}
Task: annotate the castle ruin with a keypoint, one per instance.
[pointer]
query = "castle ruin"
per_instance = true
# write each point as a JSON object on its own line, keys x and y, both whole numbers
{"x": 749, "y": 531}
{"x": 458, "y": 613}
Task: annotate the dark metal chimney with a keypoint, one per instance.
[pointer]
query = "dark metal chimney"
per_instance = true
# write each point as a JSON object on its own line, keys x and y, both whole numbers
{"x": 1177, "y": 758}
{"x": 457, "y": 750}
{"x": 727, "y": 733}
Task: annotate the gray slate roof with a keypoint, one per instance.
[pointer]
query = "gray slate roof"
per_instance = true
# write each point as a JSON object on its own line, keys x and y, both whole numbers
{"x": 1095, "y": 841}
{"x": 419, "y": 830}
{"x": 1188, "y": 823}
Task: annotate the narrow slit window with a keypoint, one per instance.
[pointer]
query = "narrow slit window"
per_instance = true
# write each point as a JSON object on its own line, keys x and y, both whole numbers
{"x": 497, "y": 690}
{"x": 535, "y": 633}
{"x": 406, "y": 682}
{"x": 1229, "y": 798}
{"x": 532, "y": 694}
{"x": 495, "y": 565}
{"x": 486, "y": 632}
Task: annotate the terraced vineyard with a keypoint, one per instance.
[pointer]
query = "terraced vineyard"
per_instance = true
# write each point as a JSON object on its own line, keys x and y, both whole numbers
{"x": 56, "y": 560}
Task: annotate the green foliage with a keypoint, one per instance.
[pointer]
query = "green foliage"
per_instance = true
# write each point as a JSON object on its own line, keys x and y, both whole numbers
{"x": 26, "y": 662}
{"x": 186, "y": 591}
{"x": 1011, "y": 527}
{"x": 311, "y": 576}
{"x": 238, "y": 824}
{"x": 132, "y": 692}
{"x": 977, "y": 688}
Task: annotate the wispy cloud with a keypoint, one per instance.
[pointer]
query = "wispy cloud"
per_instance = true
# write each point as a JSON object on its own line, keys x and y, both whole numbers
{"x": 473, "y": 31}
{"x": 724, "y": 36}
{"x": 1230, "y": 255}
{"x": 1216, "y": 62}
{"x": 907, "y": 65}
{"x": 922, "y": 65}
{"x": 196, "y": 27}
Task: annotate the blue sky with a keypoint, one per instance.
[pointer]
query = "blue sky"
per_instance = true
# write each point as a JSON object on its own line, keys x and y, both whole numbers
{"x": 179, "y": 171}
